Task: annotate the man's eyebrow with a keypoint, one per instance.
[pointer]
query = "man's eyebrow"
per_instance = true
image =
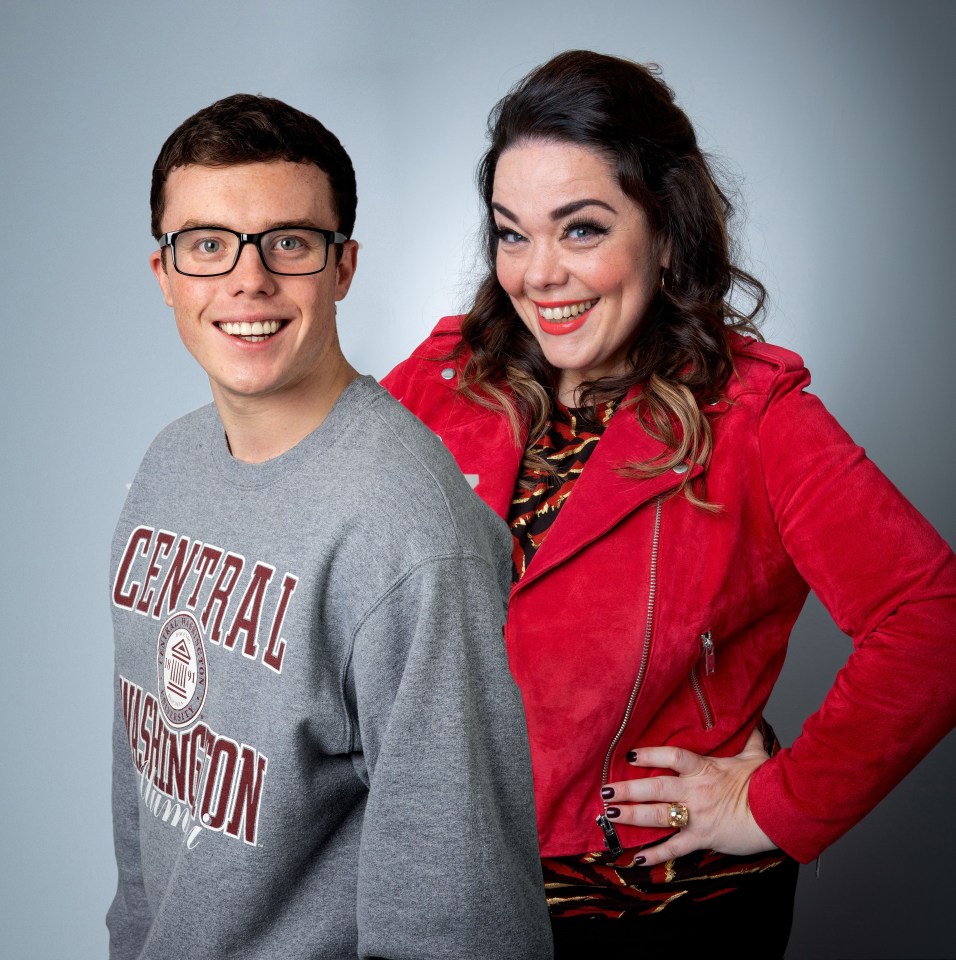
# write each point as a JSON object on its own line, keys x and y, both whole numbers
{"x": 275, "y": 225}
{"x": 561, "y": 212}
{"x": 303, "y": 222}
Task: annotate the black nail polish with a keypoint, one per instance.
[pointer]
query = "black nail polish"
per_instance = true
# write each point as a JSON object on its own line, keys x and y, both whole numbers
{"x": 631, "y": 756}
{"x": 613, "y": 813}
{"x": 637, "y": 861}
{"x": 607, "y": 793}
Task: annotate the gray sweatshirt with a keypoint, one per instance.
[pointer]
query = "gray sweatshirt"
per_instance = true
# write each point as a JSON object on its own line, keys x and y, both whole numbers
{"x": 318, "y": 748}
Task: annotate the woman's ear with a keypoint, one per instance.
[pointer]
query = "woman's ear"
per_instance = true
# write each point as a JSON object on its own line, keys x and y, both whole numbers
{"x": 665, "y": 254}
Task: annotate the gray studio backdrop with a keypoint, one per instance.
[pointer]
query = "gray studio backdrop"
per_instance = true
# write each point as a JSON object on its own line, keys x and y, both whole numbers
{"x": 835, "y": 119}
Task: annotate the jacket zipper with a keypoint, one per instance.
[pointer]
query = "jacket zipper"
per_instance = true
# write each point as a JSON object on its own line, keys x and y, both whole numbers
{"x": 611, "y": 839}
{"x": 707, "y": 658}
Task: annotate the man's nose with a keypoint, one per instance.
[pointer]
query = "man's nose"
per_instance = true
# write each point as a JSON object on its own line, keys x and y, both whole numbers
{"x": 250, "y": 273}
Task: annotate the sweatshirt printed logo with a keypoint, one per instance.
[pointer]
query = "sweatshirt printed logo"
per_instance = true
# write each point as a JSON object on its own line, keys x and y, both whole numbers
{"x": 191, "y": 777}
{"x": 181, "y": 669}
{"x": 233, "y": 606}
{"x": 192, "y": 780}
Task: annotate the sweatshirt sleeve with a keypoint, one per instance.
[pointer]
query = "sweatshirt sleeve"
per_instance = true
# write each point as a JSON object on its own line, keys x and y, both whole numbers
{"x": 449, "y": 863}
{"x": 889, "y": 582}
{"x": 128, "y": 917}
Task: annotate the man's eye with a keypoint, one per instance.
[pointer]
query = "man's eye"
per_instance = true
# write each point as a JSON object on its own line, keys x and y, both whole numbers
{"x": 288, "y": 244}
{"x": 210, "y": 245}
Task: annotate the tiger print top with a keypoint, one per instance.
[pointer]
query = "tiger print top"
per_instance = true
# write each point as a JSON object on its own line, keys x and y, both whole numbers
{"x": 542, "y": 488}
{"x": 594, "y": 883}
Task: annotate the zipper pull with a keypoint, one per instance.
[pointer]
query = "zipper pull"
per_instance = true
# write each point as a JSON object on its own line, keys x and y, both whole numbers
{"x": 707, "y": 653}
{"x": 611, "y": 841}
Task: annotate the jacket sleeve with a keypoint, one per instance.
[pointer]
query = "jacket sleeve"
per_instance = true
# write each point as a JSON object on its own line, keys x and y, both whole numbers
{"x": 449, "y": 863}
{"x": 889, "y": 582}
{"x": 128, "y": 917}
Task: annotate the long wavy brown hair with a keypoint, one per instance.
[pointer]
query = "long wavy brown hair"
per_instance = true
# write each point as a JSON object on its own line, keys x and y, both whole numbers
{"x": 681, "y": 355}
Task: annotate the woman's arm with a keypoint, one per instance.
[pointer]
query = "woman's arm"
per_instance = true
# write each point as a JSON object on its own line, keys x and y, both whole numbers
{"x": 889, "y": 581}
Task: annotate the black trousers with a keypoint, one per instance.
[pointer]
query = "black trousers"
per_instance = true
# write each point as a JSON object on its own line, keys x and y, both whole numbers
{"x": 753, "y": 921}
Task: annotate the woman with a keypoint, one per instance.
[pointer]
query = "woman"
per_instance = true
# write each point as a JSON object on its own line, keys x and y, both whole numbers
{"x": 673, "y": 492}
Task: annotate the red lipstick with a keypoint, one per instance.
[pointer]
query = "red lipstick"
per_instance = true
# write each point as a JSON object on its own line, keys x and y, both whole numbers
{"x": 557, "y": 328}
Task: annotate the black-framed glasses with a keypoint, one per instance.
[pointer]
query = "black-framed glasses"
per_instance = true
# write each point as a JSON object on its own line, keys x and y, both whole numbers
{"x": 214, "y": 251}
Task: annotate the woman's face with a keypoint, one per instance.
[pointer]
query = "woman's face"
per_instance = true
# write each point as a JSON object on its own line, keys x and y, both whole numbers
{"x": 576, "y": 256}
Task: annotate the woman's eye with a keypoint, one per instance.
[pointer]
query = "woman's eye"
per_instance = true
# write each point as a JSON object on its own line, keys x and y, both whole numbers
{"x": 584, "y": 231}
{"x": 505, "y": 235}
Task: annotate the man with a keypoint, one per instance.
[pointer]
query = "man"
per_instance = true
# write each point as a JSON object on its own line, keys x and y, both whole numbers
{"x": 318, "y": 747}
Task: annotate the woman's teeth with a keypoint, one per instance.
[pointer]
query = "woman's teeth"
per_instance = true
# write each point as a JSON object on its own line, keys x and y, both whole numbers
{"x": 256, "y": 331}
{"x": 566, "y": 313}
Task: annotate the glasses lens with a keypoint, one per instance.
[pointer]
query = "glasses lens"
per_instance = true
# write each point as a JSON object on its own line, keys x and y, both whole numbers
{"x": 208, "y": 252}
{"x": 294, "y": 250}
{"x": 204, "y": 252}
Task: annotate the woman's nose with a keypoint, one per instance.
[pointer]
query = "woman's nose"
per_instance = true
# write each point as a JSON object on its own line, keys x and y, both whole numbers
{"x": 545, "y": 267}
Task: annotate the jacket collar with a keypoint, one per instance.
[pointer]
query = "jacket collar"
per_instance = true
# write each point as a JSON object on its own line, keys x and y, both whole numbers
{"x": 602, "y": 495}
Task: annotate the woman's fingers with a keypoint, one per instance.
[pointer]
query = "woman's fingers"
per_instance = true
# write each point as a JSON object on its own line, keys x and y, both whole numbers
{"x": 681, "y": 761}
{"x": 644, "y": 814}
{"x": 648, "y": 790}
{"x": 706, "y": 802}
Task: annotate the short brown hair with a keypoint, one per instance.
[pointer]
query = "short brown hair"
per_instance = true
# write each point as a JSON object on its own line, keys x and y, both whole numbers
{"x": 245, "y": 128}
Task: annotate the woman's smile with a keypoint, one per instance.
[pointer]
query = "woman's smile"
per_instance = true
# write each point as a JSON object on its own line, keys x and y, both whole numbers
{"x": 576, "y": 256}
{"x": 558, "y": 319}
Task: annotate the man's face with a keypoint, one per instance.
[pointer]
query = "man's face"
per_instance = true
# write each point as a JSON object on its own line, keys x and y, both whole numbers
{"x": 303, "y": 354}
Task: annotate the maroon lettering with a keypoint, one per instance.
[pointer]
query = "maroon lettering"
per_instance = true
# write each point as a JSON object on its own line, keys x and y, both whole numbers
{"x": 208, "y": 562}
{"x": 176, "y": 577}
{"x": 132, "y": 699}
{"x": 199, "y": 743}
{"x": 247, "y": 616}
{"x": 164, "y": 543}
{"x": 245, "y": 808}
{"x": 275, "y": 651}
{"x": 138, "y": 542}
{"x": 154, "y": 758}
{"x": 180, "y": 767}
{"x": 178, "y": 754}
{"x": 146, "y": 724}
{"x": 222, "y": 770}
{"x": 221, "y": 592}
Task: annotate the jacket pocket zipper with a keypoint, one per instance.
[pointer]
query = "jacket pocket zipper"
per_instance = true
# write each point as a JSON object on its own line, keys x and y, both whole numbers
{"x": 706, "y": 664}
{"x": 611, "y": 840}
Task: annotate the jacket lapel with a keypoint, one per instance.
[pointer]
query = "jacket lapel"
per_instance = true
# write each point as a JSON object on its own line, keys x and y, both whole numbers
{"x": 485, "y": 449}
{"x": 602, "y": 497}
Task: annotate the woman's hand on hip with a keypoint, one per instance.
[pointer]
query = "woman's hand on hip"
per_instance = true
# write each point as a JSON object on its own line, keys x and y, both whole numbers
{"x": 712, "y": 789}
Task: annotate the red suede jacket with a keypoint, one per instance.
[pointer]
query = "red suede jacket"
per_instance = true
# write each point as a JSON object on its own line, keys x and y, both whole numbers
{"x": 644, "y": 620}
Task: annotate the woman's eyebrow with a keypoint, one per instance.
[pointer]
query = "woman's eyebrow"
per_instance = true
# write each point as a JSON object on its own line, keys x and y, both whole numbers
{"x": 505, "y": 212}
{"x": 560, "y": 212}
{"x": 576, "y": 205}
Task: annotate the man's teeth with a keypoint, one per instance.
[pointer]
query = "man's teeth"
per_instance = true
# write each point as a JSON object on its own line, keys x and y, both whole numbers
{"x": 566, "y": 313}
{"x": 246, "y": 329}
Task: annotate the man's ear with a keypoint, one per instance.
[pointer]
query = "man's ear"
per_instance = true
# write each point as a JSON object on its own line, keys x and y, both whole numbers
{"x": 157, "y": 263}
{"x": 345, "y": 268}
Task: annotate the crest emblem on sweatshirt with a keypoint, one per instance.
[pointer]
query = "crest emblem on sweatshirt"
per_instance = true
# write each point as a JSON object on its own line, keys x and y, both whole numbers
{"x": 181, "y": 669}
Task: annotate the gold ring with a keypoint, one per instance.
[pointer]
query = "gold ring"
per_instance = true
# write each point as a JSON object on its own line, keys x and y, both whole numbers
{"x": 678, "y": 816}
